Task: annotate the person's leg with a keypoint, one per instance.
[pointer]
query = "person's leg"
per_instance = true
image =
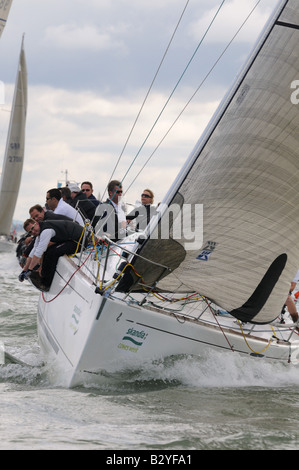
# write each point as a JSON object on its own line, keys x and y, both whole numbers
{"x": 51, "y": 257}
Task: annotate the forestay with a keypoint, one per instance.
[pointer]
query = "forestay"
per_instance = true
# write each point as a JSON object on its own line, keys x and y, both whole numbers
{"x": 245, "y": 173}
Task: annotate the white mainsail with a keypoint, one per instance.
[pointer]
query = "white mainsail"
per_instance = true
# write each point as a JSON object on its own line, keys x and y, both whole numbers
{"x": 15, "y": 147}
{"x": 4, "y": 11}
{"x": 245, "y": 172}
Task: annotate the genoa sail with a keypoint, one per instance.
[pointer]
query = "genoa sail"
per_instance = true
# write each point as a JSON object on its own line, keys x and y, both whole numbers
{"x": 4, "y": 11}
{"x": 244, "y": 172}
{"x": 15, "y": 148}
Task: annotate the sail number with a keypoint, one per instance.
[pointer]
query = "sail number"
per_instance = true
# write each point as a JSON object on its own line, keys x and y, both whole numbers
{"x": 295, "y": 94}
{"x": 15, "y": 146}
{"x": 14, "y": 159}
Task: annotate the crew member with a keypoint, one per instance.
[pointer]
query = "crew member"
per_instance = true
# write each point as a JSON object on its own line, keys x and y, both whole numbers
{"x": 54, "y": 238}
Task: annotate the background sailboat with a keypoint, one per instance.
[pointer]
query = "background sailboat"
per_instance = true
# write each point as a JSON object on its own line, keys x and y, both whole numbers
{"x": 15, "y": 147}
{"x": 4, "y": 11}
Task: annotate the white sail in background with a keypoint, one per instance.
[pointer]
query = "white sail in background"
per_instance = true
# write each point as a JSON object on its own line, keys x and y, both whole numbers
{"x": 245, "y": 173}
{"x": 14, "y": 153}
{"x": 4, "y": 11}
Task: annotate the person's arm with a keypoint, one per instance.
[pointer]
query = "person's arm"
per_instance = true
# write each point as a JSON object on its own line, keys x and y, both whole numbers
{"x": 26, "y": 265}
{"x": 42, "y": 245}
{"x": 30, "y": 256}
{"x": 293, "y": 285}
{"x": 34, "y": 263}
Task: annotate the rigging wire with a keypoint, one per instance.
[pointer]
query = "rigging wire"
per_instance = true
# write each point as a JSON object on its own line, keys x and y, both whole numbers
{"x": 174, "y": 89}
{"x": 149, "y": 90}
{"x": 195, "y": 92}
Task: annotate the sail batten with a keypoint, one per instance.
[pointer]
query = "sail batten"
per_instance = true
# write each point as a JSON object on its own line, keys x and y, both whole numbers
{"x": 245, "y": 172}
{"x": 15, "y": 149}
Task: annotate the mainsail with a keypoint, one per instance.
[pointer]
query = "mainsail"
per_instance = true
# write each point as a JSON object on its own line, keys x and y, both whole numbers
{"x": 4, "y": 11}
{"x": 245, "y": 172}
{"x": 15, "y": 146}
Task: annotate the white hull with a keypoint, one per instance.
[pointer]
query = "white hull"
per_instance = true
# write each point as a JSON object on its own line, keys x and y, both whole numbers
{"x": 86, "y": 336}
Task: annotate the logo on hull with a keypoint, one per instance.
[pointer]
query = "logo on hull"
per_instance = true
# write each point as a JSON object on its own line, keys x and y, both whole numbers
{"x": 132, "y": 340}
{"x": 74, "y": 324}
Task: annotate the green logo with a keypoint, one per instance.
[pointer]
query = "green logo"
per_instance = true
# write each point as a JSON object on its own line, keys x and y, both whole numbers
{"x": 135, "y": 338}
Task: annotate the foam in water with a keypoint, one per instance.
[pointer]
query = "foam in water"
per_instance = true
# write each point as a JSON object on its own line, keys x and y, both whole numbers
{"x": 233, "y": 370}
{"x": 215, "y": 370}
{"x": 2, "y": 360}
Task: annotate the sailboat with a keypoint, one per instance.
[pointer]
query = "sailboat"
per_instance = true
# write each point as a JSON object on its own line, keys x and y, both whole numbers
{"x": 213, "y": 268}
{"x": 15, "y": 147}
{"x": 4, "y": 12}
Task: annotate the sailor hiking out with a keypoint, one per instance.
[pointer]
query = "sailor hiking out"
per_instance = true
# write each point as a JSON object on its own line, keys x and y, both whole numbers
{"x": 54, "y": 238}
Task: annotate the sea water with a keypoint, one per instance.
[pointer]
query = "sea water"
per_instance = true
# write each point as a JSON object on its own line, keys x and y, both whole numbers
{"x": 217, "y": 402}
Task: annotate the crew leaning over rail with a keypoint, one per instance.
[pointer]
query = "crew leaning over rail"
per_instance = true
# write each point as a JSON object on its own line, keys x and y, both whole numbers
{"x": 54, "y": 238}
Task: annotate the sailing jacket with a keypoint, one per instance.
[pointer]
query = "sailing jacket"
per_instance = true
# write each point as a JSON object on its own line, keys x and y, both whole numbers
{"x": 64, "y": 230}
{"x": 142, "y": 215}
{"x": 84, "y": 205}
{"x": 109, "y": 219}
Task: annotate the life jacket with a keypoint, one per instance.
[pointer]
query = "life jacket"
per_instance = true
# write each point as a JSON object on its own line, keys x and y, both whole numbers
{"x": 65, "y": 230}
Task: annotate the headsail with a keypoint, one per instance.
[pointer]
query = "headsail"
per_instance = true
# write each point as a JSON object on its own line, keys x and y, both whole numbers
{"x": 15, "y": 147}
{"x": 4, "y": 11}
{"x": 245, "y": 172}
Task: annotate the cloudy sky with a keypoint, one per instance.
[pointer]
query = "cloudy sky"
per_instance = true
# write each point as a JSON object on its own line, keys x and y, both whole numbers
{"x": 91, "y": 64}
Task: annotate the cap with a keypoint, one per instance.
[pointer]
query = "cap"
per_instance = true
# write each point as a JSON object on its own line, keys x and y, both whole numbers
{"x": 74, "y": 188}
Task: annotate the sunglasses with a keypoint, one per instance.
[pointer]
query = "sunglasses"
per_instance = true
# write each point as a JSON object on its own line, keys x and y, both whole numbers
{"x": 119, "y": 191}
{"x": 146, "y": 195}
{"x": 30, "y": 231}
{"x": 85, "y": 190}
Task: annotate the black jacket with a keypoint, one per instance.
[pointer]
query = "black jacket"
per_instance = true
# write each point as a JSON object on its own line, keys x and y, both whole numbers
{"x": 50, "y": 215}
{"x": 107, "y": 222}
{"x": 94, "y": 200}
{"x": 143, "y": 214}
{"x": 82, "y": 202}
{"x": 65, "y": 230}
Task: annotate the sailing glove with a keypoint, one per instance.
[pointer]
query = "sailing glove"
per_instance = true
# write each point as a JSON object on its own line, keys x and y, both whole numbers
{"x": 24, "y": 275}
